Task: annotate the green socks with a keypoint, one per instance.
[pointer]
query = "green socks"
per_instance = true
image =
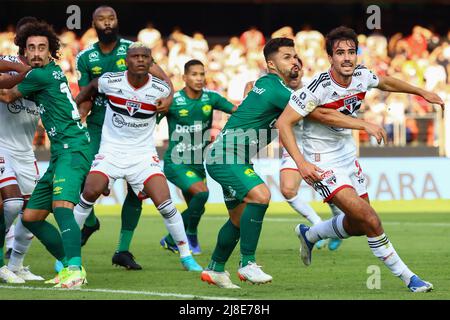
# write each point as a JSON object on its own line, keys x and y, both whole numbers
{"x": 131, "y": 212}
{"x": 251, "y": 226}
{"x": 226, "y": 242}
{"x": 2, "y": 237}
{"x": 70, "y": 234}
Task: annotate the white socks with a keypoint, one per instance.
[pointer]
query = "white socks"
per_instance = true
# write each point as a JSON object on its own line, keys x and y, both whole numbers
{"x": 82, "y": 210}
{"x": 175, "y": 226}
{"x": 21, "y": 244}
{"x": 304, "y": 209}
{"x": 383, "y": 250}
{"x": 332, "y": 228}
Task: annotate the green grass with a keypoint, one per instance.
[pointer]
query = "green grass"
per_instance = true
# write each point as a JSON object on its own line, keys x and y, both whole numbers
{"x": 421, "y": 237}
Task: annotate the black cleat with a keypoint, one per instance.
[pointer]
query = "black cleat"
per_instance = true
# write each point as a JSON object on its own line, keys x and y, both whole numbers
{"x": 8, "y": 253}
{"x": 125, "y": 259}
{"x": 86, "y": 232}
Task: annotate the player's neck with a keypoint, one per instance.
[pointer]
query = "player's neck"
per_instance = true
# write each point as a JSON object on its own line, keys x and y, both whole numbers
{"x": 340, "y": 79}
{"x": 137, "y": 80}
{"x": 285, "y": 79}
{"x": 107, "y": 47}
{"x": 192, "y": 94}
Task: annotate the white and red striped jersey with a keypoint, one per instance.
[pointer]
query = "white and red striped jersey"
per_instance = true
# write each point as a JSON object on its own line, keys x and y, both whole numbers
{"x": 130, "y": 117}
{"x": 18, "y": 121}
{"x": 321, "y": 141}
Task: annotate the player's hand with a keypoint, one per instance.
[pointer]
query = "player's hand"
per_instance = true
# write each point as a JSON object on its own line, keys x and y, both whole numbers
{"x": 433, "y": 98}
{"x": 163, "y": 104}
{"x": 375, "y": 130}
{"x": 83, "y": 109}
{"x": 310, "y": 172}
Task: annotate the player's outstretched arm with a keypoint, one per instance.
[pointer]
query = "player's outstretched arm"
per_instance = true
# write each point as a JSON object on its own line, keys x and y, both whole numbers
{"x": 392, "y": 84}
{"x": 163, "y": 104}
{"x": 87, "y": 92}
{"x": 6, "y": 66}
{"x": 9, "y": 81}
{"x": 285, "y": 124}
{"x": 335, "y": 118}
{"x": 9, "y": 95}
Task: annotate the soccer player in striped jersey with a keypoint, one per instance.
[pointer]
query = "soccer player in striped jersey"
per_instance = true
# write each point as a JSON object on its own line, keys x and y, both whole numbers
{"x": 127, "y": 148}
{"x": 329, "y": 163}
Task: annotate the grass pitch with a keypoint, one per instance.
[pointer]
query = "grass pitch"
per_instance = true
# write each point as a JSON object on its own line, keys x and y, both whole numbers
{"x": 419, "y": 231}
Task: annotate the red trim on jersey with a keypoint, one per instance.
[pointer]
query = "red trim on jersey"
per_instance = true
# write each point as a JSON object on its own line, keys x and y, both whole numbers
{"x": 36, "y": 166}
{"x": 155, "y": 174}
{"x": 336, "y": 191}
{"x": 294, "y": 169}
{"x": 330, "y": 72}
{"x": 101, "y": 173}
{"x": 364, "y": 196}
{"x": 137, "y": 88}
{"x": 8, "y": 179}
{"x": 340, "y": 103}
{"x": 123, "y": 102}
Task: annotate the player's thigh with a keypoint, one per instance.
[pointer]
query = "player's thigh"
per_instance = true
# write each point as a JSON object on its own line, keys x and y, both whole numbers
{"x": 359, "y": 180}
{"x": 183, "y": 176}
{"x": 155, "y": 188}
{"x": 42, "y": 196}
{"x": 70, "y": 171}
{"x": 27, "y": 176}
{"x": 9, "y": 187}
{"x": 290, "y": 180}
{"x": 104, "y": 171}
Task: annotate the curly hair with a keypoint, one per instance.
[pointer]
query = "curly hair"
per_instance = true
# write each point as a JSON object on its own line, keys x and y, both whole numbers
{"x": 39, "y": 28}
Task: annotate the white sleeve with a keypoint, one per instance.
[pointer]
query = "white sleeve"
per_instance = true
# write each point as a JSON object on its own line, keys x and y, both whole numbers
{"x": 303, "y": 101}
{"x": 371, "y": 79}
{"x": 103, "y": 84}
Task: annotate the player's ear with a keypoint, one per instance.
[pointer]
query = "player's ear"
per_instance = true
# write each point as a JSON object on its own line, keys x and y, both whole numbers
{"x": 330, "y": 59}
{"x": 270, "y": 65}
{"x": 184, "y": 77}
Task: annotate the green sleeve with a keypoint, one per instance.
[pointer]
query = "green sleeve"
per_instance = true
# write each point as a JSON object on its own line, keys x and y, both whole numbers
{"x": 222, "y": 104}
{"x": 34, "y": 81}
{"x": 82, "y": 71}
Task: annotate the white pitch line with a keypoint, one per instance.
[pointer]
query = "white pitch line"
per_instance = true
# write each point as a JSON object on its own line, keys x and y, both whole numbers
{"x": 142, "y": 293}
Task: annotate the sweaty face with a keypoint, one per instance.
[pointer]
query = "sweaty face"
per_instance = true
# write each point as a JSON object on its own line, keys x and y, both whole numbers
{"x": 343, "y": 60}
{"x": 139, "y": 60}
{"x": 285, "y": 62}
{"x": 195, "y": 77}
{"x": 37, "y": 51}
{"x": 106, "y": 25}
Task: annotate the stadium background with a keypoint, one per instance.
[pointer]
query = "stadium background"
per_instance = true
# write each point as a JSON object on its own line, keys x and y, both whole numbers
{"x": 413, "y": 44}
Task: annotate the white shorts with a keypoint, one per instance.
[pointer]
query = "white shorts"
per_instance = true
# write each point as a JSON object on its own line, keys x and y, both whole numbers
{"x": 136, "y": 170}
{"x": 22, "y": 171}
{"x": 344, "y": 174}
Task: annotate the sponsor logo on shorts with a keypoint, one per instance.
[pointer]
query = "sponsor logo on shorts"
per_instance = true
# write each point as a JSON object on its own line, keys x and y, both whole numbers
{"x": 229, "y": 194}
{"x": 2, "y": 160}
{"x": 190, "y": 174}
{"x": 329, "y": 177}
{"x": 250, "y": 173}
{"x": 57, "y": 190}
{"x": 2, "y": 169}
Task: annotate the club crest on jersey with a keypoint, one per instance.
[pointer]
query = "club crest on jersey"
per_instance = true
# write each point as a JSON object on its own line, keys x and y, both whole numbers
{"x": 206, "y": 109}
{"x": 133, "y": 107}
{"x": 121, "y": 64}
{"x": 93, "y": 56}
{"x": 122, "y": 50}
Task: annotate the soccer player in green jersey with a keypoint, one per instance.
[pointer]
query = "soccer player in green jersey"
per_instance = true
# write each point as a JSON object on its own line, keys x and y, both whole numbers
{"x": 190, "y": 118}
{"x": 108, "y": 55}
{"x": 228, "y": 162}
{"x": 59, "y": 189}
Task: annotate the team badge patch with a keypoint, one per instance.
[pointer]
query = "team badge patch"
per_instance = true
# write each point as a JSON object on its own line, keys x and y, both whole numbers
{"x": 329, "y": 177}
{"x": 133, "y": 107}
{"x": 207, "y": 109}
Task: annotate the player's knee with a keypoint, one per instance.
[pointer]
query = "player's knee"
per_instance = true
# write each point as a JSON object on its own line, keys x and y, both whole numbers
{"x": 288, "y": 192}
{"x": 261, "y": 196}
{"x": 11, "y": 208}
{"x": 373, "y": 223}
{"x": 91, "y": 194}
{"x": 201, "y": 197}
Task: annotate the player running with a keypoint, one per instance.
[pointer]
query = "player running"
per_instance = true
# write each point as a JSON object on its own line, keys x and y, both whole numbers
{"x": 108, "y": 55}
{"x": 190, "y": 118}
{"x": 59, "y": 189}
{"x": 18, "y": 170}
{"x": 228, "y": 162}
{"x": 329, "y": 163}
{"x": 127, "y": 147}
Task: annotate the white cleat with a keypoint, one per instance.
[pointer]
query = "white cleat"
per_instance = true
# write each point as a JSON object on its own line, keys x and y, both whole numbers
{"x": 220, "y": 279}
{"x": 253, "y": 273}
{"x": 9, "y": 277}
{"x": 27, "y": 275}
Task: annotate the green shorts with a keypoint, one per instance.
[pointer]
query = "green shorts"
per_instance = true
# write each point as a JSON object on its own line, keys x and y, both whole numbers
{"x": 236, "y": 181}
{"x": 62, "y": 180}
{"x": 95, "y": 132}
{"x": 184, "y": 175}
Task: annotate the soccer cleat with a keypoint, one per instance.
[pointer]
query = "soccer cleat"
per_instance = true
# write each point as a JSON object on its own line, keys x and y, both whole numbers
{"x": 306, "y": 246}
{"x": 58, "y": 279}
{"x": 193, "y": 244}
{"x": 86, "y": 232}
{"x": 321, "y": 244}
{"x": 74, "y": 279}
{"x": 190, "y": 264}
{"x": 418, "y": 285}
{"x": 125, "y": 259}
{"x": 334, "y": 244}
{"x": 58, "y": 266}
{"x": 166, "y": 245}
{"x": 27, "y": 275}
{"x": 9, "y": 277}
{"x": 253, "y": 273}
{"x": 220, "y": 279}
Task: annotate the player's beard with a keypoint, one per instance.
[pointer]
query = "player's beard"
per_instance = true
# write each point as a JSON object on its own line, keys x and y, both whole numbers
{"x": 293, "y": 73}
{"x": 107, "y": 37}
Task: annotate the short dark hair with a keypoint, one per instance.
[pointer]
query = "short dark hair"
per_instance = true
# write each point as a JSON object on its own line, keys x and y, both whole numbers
{"x": 40, "y": 28}
{"x": 190, "y": 63}
{"x": 23, "y": 21}
{"x": 274, "y": 44}
{"x": 340, "y": 33}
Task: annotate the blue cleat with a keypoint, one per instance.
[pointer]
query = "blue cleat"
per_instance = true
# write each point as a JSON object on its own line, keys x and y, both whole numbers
{"x": 193, "y": 244}
{"x": 58, "y": 266}
{"x": 418, "y": 285}
{"x": 165, "y": 245}
{"x": 306, "y": 246}
{"x": 334, "y": 244}
{"x": 190, "y": 264}
{"x": 321, "y": 244}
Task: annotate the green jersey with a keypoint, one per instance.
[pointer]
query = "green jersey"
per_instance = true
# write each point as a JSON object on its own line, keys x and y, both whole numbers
{"x": 189, "y": 120}
{"x": 251, "y": 127}
{"x": 91, "y": 63}
{"x": 48, "y": 88}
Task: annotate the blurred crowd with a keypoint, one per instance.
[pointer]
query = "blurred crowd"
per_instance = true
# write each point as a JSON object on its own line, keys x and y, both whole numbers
{"x": 421, "y": 58}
